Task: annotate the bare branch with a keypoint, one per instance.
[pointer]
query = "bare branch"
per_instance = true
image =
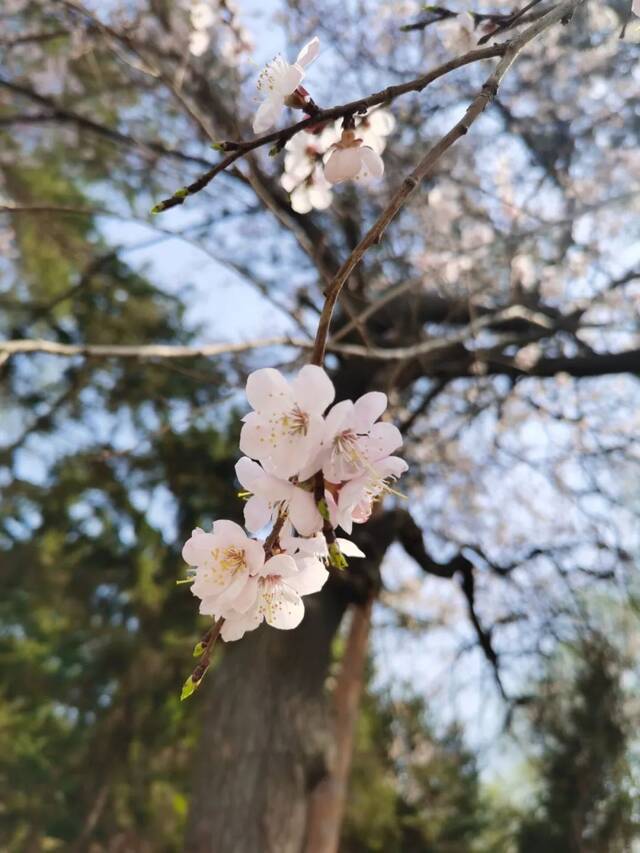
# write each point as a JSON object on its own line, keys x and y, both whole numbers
{"x": 425, "y": 166}
{"x": 281, "y": 137}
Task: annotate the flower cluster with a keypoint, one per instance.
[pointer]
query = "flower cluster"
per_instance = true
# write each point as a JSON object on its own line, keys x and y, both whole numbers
{"x": 221, "y": 17}
{"x": 305, "y": 472}
{"x": 325, "y": 154}
{"x": 312, "y": 161}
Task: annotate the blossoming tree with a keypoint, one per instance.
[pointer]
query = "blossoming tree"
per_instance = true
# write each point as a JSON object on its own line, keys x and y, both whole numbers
{"x": 432, "y": 278}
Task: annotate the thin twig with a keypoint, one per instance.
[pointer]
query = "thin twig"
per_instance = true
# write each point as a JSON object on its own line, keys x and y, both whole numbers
{"x": 425, "y": 166}
{"x": 280, "y": 137}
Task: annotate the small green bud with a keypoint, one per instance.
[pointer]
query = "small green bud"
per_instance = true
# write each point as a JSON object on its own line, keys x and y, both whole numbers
{"x": 194, "y": 681}
{"x": 273, "y": 152}
{"x": 190, "y": 686}
{"x": 198, "y": 649}
{"x": 336, "y": 557}
{"x": 183, "y": 192}
{"x": 217, "y": 146}
{"x": 158, "y": 208}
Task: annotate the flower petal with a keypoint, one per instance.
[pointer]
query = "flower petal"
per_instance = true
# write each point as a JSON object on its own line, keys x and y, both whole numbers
{"x": 313, "y": 390}
{"x": 257, "y": 513}
{"x": 304, "y": 513}
{"x": 371, "y": 162}
{"x": 197, "y": 549}
{"x": 311, "y": 577}
{"x": 250, "y": 475}
{"x": 229, "y": 531}
{"x": 268, "y": 390}
{"x": 282, "y": 565}
{"x": 383, "y": 439}
{"x": 234, "y": 627}
{"x": 267, "y": 113}
{"x": 283, "y": 608}
{"x": 342, "y": 165}
{"x": 252, "y": 436}
{"x": 349, "y": 548}
{"x": 309, "y": 52}
{"x": 300, "y": 200}
{"x": 367, "y": 409}
{"x": 247, "y": 597}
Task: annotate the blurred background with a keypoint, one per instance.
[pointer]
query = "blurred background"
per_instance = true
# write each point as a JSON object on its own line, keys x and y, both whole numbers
{"x": 500, "y": 703}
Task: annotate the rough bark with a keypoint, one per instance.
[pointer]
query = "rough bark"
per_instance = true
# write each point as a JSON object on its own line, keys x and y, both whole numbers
{"x": 266, "y": 728}
{"x": 267, "y": 722}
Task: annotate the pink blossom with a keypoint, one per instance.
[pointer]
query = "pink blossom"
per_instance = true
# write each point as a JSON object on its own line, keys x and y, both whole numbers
{"x": 353, "y": 442}
{"x": 351, "y": 160}
{"x": 356, "y": 497}
{"x": 286, "y": 427}
{"x": 223, "y": 560}
{"x": 275, "y": 600}
{"x": 269, "y": 495}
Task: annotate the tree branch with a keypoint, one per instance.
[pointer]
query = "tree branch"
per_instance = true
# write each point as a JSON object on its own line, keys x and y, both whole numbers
{"x": 281, "y": 137}
{"x": 426, "y": 165}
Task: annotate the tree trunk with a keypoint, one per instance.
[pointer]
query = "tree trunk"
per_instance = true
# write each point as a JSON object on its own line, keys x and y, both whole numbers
{"x": 328, "y": 801}
{"x": 267, "y": 727}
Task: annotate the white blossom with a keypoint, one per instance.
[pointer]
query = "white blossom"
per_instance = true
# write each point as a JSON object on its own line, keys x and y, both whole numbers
{"x": 357, "y": 497}
{"x": 277, "y": 83}
{"x": 354, "y": 440}
{"x": 269, "y": 495}
{"x": 223, "y": 560}
{"x": 351, "y": 160}
{"x": 286, "y": 427}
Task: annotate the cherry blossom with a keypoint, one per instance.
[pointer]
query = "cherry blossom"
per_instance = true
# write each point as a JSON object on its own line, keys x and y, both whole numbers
{"x": 270, "y": 495}
{"x": 374, "y": 129}
{"x": 213, "y": 16}
{"x": 313, "y": 193}
{"x": 303, "y": 175}
{"x": 351, "y": 160}
{"x": 356, "y": 497}
{"x": 286, "y": 427}
{"x": 635, "y": 7}
{"x": 353, "y": 442}
{"x": 223, "y": 560}
{"x": 277, "y": 83}
{"x": 243, "y": 582}
{"x": 276, "y": 599}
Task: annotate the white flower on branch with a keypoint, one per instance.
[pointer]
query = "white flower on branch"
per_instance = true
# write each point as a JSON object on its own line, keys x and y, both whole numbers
{"x": 277, "y": 599}
{"x": 223, "y": 560}
{"x": 354, "y": 440}
{"x": 286, "y": 427}
{"x": 314, "y": 192}
{"x": 269, "y": 495}
{"x": 351, "y": 160}
{"x": 374, "y": 129}
{"x": 278, "y": 83}
{"x": 356, "y": 498}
